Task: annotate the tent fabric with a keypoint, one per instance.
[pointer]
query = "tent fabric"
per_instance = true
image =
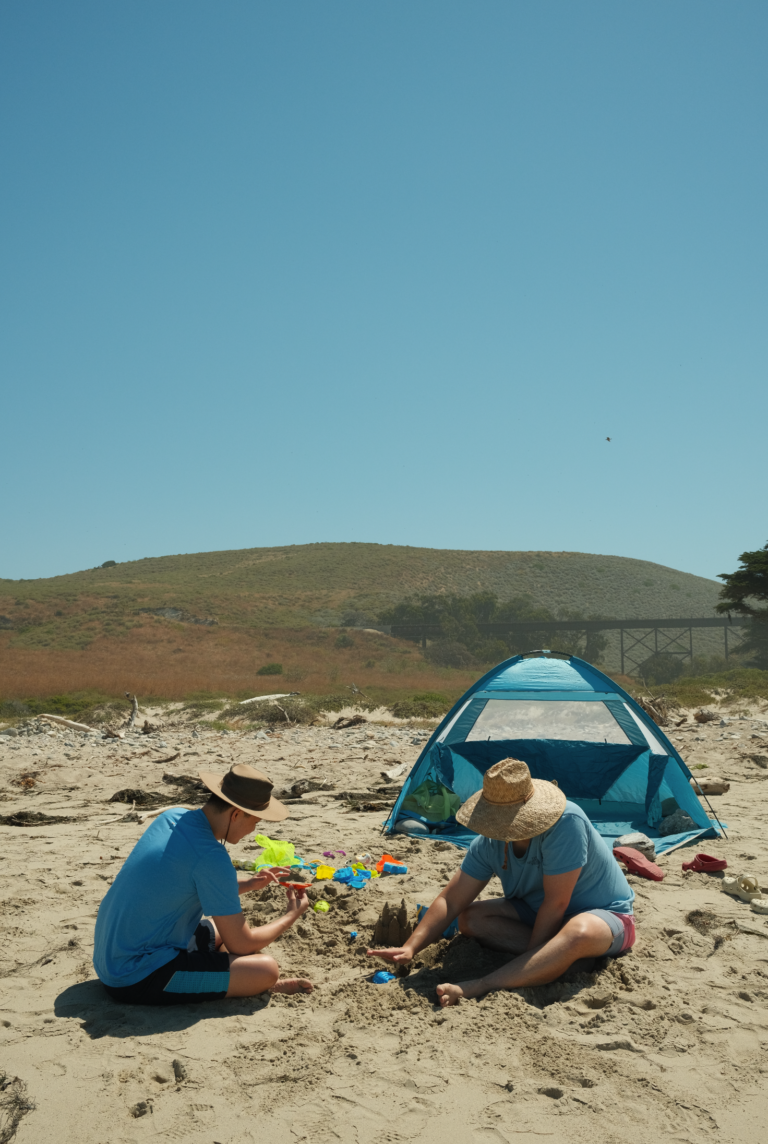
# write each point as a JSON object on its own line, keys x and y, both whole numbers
{"x": 582, "y": 770}
{"x": 620, "y": 786}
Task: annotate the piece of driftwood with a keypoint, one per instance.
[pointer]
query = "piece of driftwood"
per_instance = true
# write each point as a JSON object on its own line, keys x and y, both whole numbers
{"x": 711, "y": 785}
{"x": 656, "y": 706}
{"x": 134, "y": 710}
{"x": 395, "y": 772}
{"x": 750, "y": 929}
{"x": 264, "y": 698}
{"x": 703, "y": 716}
{"x": 147, "y": 814}
{"x": 110, "y": 733}
{"x": 342, "y": 723}
{"x": 68, "y": 723}
{"x": 167, "y": 759}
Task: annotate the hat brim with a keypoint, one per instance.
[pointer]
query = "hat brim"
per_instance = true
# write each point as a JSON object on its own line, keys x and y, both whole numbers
{"x": 275, "y": 811}
{"x": 514, "y": 821}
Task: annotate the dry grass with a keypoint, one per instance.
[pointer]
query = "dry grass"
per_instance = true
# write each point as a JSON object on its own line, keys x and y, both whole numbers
{"x": 174, "y": 661}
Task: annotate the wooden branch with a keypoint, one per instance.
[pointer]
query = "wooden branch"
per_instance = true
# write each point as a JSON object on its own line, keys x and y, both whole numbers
{"x": 68, "y": 723}
{"x": 135, "y": 711}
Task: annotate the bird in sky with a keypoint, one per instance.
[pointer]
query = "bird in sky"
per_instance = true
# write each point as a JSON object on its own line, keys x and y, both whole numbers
{"x": 607, "y": 438}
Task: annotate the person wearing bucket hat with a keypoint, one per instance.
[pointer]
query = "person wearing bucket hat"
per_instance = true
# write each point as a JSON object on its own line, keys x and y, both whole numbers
{"x": 565, "y": 897}
{"x": 170, "y": 929}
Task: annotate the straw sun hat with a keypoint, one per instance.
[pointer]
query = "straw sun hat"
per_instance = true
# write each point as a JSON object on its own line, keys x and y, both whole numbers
{"x": 512, "y": 806}
{"x": 247, "y": 789}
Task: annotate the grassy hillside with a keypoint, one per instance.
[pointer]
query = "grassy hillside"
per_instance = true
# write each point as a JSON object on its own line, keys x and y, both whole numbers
{"x": 315, "y": 584}
{"x": 227, "y": 613}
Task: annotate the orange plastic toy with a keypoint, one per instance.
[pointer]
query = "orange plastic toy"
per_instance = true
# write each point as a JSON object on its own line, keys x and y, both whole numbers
{"x": 387, "y": 858}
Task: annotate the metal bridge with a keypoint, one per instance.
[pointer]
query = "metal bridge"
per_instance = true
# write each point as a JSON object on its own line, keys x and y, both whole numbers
{"x": 638, "y": 639}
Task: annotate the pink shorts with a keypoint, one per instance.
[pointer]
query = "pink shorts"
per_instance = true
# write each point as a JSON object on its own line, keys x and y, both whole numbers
{"x": 622, "y": 926}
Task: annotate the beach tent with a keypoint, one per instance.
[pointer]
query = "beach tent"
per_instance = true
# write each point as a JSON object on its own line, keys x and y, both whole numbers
{"x": 568, "y": 722}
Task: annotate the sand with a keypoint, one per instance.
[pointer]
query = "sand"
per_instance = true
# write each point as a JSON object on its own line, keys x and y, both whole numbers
{"x": 666, "y": 1042}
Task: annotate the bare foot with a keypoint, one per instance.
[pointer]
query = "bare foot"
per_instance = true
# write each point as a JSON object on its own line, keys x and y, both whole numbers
{"x": 449, "y": 994}
{"x": 292, "y": 985}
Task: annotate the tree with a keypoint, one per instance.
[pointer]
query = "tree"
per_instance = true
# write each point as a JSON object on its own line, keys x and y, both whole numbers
{"x": 745, "y": 591}
{"x": 458, "y": 637}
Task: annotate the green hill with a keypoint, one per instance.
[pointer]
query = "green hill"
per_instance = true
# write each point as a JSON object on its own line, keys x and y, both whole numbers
{"x": 325, "y": 585}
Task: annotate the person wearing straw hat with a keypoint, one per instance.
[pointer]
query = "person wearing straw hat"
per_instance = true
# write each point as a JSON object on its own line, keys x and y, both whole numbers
{"x": 565, "y": 896}
{"x": 153, "y": 945}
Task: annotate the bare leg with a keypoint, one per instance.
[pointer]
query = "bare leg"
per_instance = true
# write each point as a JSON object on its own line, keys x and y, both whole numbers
{"x": 496, "y": 924}
{"x": 253, "y": 973}
{"x": 582, "y": 936}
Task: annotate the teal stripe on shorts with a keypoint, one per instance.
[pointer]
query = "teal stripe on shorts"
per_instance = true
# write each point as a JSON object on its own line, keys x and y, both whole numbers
{"x": 183, "y": 982}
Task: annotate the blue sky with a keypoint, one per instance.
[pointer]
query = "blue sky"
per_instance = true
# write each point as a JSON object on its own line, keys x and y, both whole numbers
{"x": 281, "y": 273}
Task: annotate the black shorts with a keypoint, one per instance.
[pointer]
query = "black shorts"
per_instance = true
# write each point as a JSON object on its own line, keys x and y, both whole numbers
{"x": 198, "y": 973}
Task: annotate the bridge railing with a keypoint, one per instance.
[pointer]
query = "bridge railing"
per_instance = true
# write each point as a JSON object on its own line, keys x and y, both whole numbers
{"x": 638, "y": 639}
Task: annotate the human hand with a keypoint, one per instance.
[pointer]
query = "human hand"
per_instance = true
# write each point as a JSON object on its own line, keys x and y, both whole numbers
{"x": 297, "y": 904}
{"x": 265, "y": 877}
{"x": 397, "y": 956}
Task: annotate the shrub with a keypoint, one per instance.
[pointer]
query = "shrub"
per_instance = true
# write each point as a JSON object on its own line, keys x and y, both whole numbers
{"x": 661, "y": 668}
{"x": 422, "y": 705}
{"x": 271, "y": 669}
{"x": 448, "y": 653}
{"x": 343, "y": 640}
{"x": 109, "y": 564}
{"x": 299, "y": 709}
{"x": 13, "y": 709}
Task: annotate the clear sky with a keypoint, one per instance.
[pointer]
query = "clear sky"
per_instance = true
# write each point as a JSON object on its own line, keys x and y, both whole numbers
{"x": 275, "y": 273}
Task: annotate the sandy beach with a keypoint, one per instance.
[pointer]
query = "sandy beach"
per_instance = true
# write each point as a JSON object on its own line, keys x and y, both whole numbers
{"x": 668, "y": 1041}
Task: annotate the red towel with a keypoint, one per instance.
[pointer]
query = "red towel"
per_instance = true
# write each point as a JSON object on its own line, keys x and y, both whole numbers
{"x": 637, "y": 863}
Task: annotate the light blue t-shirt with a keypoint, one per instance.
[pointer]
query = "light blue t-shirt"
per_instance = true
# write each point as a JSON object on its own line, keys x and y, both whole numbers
{"x": 176, "y": 872}
{"x": 571, "y": 843}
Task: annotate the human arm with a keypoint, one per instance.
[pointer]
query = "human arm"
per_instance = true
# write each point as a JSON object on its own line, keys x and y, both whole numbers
{"x": 460, "y": 892}
{"x": 558, "y": 889}
{"x": 239, "y": 938}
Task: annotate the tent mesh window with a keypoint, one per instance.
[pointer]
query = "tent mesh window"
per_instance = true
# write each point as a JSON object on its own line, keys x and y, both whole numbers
{"x": 571, "y": 724}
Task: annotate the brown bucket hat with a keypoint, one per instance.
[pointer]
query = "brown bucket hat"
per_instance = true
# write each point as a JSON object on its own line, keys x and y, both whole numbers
{"x": 247, "y": 789}
{"x": 512, "y": 806}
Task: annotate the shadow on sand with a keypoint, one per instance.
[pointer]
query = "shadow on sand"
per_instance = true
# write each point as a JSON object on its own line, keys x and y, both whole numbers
{"x": 103, "y": 1017}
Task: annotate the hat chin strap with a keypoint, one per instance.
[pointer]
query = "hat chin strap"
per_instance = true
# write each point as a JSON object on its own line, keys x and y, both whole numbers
{"x": 229, "y": 823}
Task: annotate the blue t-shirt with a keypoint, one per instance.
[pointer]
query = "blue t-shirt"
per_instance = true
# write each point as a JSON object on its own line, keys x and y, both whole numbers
{"x": 571, "y": 843}
{"x": 176, "y": 872}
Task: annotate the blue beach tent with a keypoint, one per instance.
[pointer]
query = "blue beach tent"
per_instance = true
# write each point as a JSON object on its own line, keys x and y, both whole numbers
{"x": 568, "y": 722}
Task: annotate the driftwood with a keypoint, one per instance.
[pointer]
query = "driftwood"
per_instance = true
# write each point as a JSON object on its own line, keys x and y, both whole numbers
{"x": 656, "y": 706}
{"x": 264, "y": 698}
{"x": 134, "y": 711}
{"x": 703, "y": 716}
{"x": 342, "y": 723}
{"x": 396, "y": 772}
{"x": 68, "y": 723}
{"x": 711, "y": 785}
